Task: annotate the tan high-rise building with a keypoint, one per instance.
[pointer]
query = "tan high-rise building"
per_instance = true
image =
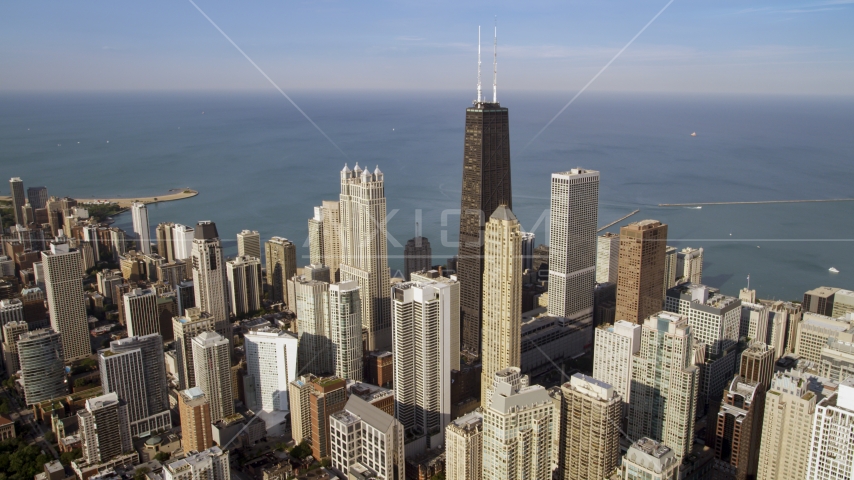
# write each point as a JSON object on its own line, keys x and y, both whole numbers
{"x": 299, "y": 393}
{"x": 364, "y": 250}
{"x": 328, "y": 395}
{"x": 640, "y": 280}
{"x": 281, "y": 260}
{"x": 738, "y": 430}
{"x": 141, "y": 315}
{"x": 332, "y": 238}
{"x": 502, "y": 297}
{"x": 65, "y": 300}
{"x": 315, "y": 237}
{"x": 185, "y": 327}
{"x": 195, "y": 413}
{"x": 209, "y": 278}
{"x": 249, "y": 244}
{"x": 464, "y": 448}
{"x": 212, "y": 367}
{"x": 589, "y": 427}
{"x": 787, "y": 428}
{"x": 757, "y": 364}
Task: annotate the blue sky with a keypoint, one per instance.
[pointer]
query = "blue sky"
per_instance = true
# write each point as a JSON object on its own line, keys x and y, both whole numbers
{"x": 713, "y": 46}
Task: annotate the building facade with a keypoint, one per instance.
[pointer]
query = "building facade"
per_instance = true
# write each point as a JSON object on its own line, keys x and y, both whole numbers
{"x": 640, "y": 280}
{"x": 42, "y": 365}
{"x": 212, "y": 368}
{"x": 417, "y": 256}
{"x": 831, "y": 456}
{"x": 613, "y": 353}
{"x": 281, "y": 261}
{"x": 786, "y": 428}
{"x": 366, "y": 441}
{"x": 464, "y": 448}
{"x": 271, "y": 363}
{"x": 589, "y": 429}
{"x": 345, "y": 327}
{"x": 607, "y": 258}
{"x": 65, "y": 299}
{"x": 243, "y": 275}
{"x": 249, "y": 244}
{"x": 195, "y": 412}
{"x": 139, "y": 215}
{"x": 141, "y": 315}
{"x": 209, "y": 278}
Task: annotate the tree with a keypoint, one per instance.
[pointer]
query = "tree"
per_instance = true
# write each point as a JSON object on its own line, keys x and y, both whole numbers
{"x": 67, "y": 457}
{"x": 140, "y": 473}
{"x": 301, "y": 451}
{"x": 50, "y": 437}
{"x": 162, "y": 456}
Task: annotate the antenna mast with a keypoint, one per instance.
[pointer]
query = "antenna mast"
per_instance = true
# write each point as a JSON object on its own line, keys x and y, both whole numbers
{"x": 495, "y": 65}
{"x": 479, "y": 94}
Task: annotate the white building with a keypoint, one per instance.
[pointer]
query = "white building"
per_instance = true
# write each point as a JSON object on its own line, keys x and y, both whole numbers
{"x": 210, "y": 464}
{"x": 105, "y": 429}
{"x": 614, "y": 347}
{"x": 209, "y": 278}
{"x": 271, "y": 363}
{"x": 689, "y": 265}
{"x": 185, "y": 327}
{"x": 607, "y": 257}
{"x": 139, "y": 214}
{"x": 212, "y": 368}
{"x": 366, "y": 441}
{"x": 831, "y": 455}
{"x": 423, "y": 316}
{"x": 345, "y": 329}
{"x": 518, "y": 424}
{"x": 11, "y": 310}
{"x": 182, "y": 238}
{"x": 573, "y": 243}
{"x": 364, "y": 249}
{"x": 12, "y": 331}
{"x": 249, "y": 244}
{"x": 528, "y": 243}
{"x": 243, "y": 275}
{"x": 141, "y": 313}
{"x": 311, "y": 300}
{"x": 648, "y": 459}
{"x": 65, "y": 299}
{"x": 464, "y": 448}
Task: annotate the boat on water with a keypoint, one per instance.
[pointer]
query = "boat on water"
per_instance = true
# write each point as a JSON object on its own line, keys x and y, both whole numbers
{"x": 833, "y": 270}
{"x": 694, "y": 134}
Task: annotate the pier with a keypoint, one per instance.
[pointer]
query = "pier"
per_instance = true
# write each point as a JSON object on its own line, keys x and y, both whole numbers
{"x": 618, "y": 221}
{"x": 753, "y": 203}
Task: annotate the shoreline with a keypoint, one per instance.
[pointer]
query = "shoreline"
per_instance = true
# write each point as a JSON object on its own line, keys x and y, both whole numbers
{"x": 125, "y": 203}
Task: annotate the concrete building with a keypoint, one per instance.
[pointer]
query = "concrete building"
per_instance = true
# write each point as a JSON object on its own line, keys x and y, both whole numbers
{"x": 417, "y": 256}
{"x": 105, "y": 429}
{"x": 209, "y": 277}
{"x": 502, "y": 297}
{"x": 271, "y": 361}
{"x": 346, "y": 325}
{"x": 589, "y": 429}
{"x": 787, "y": 428}
{"x": 518, "y": 429}
{"x": 757, "y": 364}
{"x": 648, "y": 459}
{"x": 607, "y": 257}
{"x": 182, "y": 236}
{"x": 195, "y": 412}
{"x": 299, "y": 398}
{"x": 16, "y": 189}
{"x": 689, "y": 265}
{"x": 837, "y": 360}
{"x": 615, "y": 347}
{"x": 315, "y": 237}
{"x": 784, "y": 318}
{"x": 739, "y": 429}
{"x": 134, "y": 368}
{"x": 185, "y": 328}
{"x": 843, "y": 303}
{"x": 318, "y": 272}
{"x": 452, "y": 296}
{"x": 249, "y": 244}
{"x": 141, "y": 315}
{"x": 423, "y": 321}
{"x": 366, "y": 442}
{"x": 573, "y": 243}
{"x": 243, "y": 275}
{"x": 664, "y": 383}
{"x": 332, "y": 238}
{"x": 528, "y": 244}
{"x": 165, "y": 241}
{"x": 364, "y": 249}
{"x": 820, "y": 300}
{"x": 42, "y": 365}
{"x": 464, "y": 448}
{"x": 37, "y": 196}
{"x": 327, "y": 396}
{"x": 815, "y": 332}
{"x": 139, "y": 214}
{"x": 714, "y": 319}
{"x": 670, "y": 267}
{"x": 11, "y": 310}
{"x": 12, "y": 331}
{"x": 212, "y": 368}
{"x": 210, "y": 464}
{"x": 281, "y": 261}
{"x": 65, "y": 299}
{"x": 311, "y": 303}
{"x": 640, "y": 281}
{"x": 831, "y": 456}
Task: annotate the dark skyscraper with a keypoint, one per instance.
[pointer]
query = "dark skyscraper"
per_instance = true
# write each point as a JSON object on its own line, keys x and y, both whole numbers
{"x": 486, "y": 185}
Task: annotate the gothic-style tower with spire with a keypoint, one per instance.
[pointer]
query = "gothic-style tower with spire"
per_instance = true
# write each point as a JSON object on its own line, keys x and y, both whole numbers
{"x": 486, "y": 185}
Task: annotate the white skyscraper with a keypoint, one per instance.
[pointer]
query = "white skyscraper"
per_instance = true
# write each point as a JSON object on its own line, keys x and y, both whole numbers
{"x": 607, "y": 257}
{"x": 182, "y": 236}
{"x": 210, "y": 464}
{"x": 209, "y": 278}
{"x": 141, "y": 312}
{"x": 518, "y": 424}
{"x": 312, "y": 309}
{"x": 271, "y": 362}
{"x": 614, "y": 348}
{"x": 831, "y": 455}
{"x": 185, "y": 327}
{"x": 364, "y": 249}
{"x": 249, "y": 244}
{"x": 139, "y": 213}
{"x": 366, "y": 442}
{"x": 65, "y": 300}
{"x": 664, "y": 383}
{"x": 422, "y": 327}
{"x": 345, "y": 329}
{"x": 572, "y": 243}
{"x": 243, "y": 275}
{"x": 212, "y": 367}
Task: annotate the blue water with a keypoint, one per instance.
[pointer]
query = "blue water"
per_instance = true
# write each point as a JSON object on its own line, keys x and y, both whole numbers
{"x": 260, "y": 165}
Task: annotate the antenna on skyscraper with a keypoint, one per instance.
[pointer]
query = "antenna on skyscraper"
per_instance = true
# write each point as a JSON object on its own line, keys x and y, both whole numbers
{"x": 495, "y": 64}
{"x": 479, "y": 94}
